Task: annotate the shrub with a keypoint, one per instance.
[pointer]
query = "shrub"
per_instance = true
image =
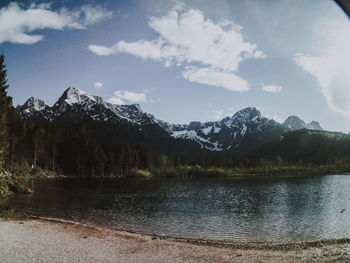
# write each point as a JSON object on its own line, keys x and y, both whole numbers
{"x": 5, "y": 182}
{"x": 21, "y": 179}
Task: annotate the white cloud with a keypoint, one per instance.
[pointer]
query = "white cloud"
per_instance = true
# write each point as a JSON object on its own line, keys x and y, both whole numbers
{"x": 271, "y": 88}
{"x": 147, "y": 90}
{"x": 331, "y": 68}
{"x": 186, "y": 37}
{"x": 94, "y": 14}
{"x": 275, "y": 118}
{"x": 116, "y": 100}
{"x": 98, "y": 85}
{"x": 215, "y": 78}
{"x": 220, "y": 114}
{"x": 127, "y": 97}
{"x": 101, "y": 50}
{"x": 17, "y": 23}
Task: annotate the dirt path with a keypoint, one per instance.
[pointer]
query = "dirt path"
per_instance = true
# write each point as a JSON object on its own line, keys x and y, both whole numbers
{"x": 44, "y": 241}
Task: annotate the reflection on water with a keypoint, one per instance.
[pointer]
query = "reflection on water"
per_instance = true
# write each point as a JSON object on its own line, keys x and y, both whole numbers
{"x": 240, "y": 209}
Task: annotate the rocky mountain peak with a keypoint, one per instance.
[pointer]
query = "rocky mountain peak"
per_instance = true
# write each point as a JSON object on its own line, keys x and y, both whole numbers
{"x": 295, "y": 123}
{"x": 136, "y": 107}
{"x": 247, "y": 114}
{"x": 34, "y": 104}
{"x": 194, "y": 125}
{"x": 314, "y": 125}
{"x": 73, "y": 96}
{"x": 34, "y": 108}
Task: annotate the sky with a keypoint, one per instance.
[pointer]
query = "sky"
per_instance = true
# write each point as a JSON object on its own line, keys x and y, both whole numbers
{"x": 184, "y": 61}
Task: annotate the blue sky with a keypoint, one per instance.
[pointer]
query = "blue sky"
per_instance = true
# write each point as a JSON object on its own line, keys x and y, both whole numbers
{"x": 185, "y": 60}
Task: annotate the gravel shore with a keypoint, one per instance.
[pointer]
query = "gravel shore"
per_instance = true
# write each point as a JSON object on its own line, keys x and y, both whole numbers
{"x": 45, "y": 241}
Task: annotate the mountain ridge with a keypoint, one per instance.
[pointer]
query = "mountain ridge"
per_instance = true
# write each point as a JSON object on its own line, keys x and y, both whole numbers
{"x": 246, "y": 128}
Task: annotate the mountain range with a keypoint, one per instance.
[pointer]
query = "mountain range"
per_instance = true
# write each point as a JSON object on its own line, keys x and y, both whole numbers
{"x": 245, "y": 131}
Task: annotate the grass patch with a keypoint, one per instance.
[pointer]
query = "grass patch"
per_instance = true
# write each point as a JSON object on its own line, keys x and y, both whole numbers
{"x": 196, "y": 171}
{"x": 139, "y": 173}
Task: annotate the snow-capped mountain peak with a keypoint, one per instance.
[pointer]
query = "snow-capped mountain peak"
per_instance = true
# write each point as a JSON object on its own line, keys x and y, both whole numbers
{"x": 81, "y": 103}
{"x": 34, "y": 108}
{"x": 229, "y": 133}
{"x": 34, "y": 104}
{"x": 247, "y": 114}
{"x": 137, "y": 107}
{"x": 73, "y": 96}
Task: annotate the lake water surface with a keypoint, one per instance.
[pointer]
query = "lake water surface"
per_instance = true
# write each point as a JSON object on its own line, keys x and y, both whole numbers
{"x": 235, "y": 209}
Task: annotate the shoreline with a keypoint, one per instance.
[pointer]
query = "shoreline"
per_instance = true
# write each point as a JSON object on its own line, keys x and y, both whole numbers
{"x": 233, "y": 176}
{"x": 210, "y": 172}
{"x": 56, "y": 240}
{"x": 263, "y": 245}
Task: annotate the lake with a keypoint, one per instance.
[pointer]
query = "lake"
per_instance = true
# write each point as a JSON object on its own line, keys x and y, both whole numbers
{"x": 232, "y": 209}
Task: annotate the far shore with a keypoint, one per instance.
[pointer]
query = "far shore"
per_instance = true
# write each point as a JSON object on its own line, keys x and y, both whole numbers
{"x": 205, "y": 173}
{"x": 56, "y": 240}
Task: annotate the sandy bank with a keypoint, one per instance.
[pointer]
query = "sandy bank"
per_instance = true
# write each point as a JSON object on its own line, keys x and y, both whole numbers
{"x": 44, "y": 241}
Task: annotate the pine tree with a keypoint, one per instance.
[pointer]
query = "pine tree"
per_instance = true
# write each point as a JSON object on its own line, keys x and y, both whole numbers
{"x": 17, "y": 132}
{"x": 3, "y": 111}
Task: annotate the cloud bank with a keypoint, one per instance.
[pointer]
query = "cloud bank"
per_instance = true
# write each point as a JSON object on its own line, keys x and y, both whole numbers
{"x": 331, "y": 69}
{"x": 211, "y": 53}
{"x": 17, "y": 23}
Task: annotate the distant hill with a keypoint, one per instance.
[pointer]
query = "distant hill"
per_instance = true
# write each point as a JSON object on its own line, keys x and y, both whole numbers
{"x": 308, "y": 146}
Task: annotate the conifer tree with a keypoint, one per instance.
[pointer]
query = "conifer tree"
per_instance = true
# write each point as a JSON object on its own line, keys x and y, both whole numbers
{"x": 3, "y": 111}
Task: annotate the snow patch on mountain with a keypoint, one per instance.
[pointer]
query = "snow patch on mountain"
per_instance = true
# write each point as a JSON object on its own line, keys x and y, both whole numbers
{"x": 207, "y": 130}
{"x": 193, "y": 135}
{"x": 217, "y": 129}
{"x": 243, "y": 131}
{"x": 216, "y": 147}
